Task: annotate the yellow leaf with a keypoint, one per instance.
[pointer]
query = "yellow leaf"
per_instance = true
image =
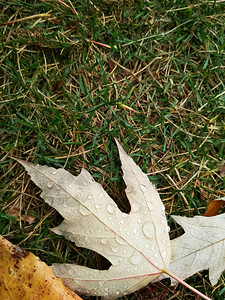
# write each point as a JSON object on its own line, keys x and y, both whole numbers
{"x": 23, "y": 276}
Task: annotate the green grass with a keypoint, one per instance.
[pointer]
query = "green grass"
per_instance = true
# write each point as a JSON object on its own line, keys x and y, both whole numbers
{"x": 159, "y": 89}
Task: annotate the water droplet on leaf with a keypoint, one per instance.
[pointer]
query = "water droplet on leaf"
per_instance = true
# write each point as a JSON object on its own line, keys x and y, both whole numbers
{"x": 129, "y": 189}
{"x": 120, "y": 241}
{"x": 149, "y": 230}
{"x": 150, "y": 205}
{"x": 136, "y": 258}
{"x": 104, "y": 241}
{"x": 115, "y": 249}
{"x": 84, "y": 211}
{"x": 143, "y": 187}
{"x": 135, "y": 207}
{"x": 111, "y": 209}
{"x": 50, "y": 184}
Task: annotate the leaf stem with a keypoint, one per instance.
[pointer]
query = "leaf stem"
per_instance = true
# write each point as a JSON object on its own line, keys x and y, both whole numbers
{"x": 186, "y": 284}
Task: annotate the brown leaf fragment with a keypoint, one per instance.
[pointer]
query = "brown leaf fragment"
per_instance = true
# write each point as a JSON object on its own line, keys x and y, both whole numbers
{"x": 111, "y": 65}
{"x": 214, "y": 207}
{"x": 25, "y": 276}
{"x": 28, "y": 218}
{"x": 57, "y": 88}
{"x": 25, "y": 217}
{"x": 56, "y": 21}
{"x": 13, "y": 212}
{"x": 221, "y": 171}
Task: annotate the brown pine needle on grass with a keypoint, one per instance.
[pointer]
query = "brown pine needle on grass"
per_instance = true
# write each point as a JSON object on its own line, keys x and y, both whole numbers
{"x": 45, "y": 15}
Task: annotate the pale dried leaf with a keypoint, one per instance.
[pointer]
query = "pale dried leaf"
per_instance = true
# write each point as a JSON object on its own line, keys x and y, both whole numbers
{"x": 137, "y": 244}
{"x": 201, "y": 247}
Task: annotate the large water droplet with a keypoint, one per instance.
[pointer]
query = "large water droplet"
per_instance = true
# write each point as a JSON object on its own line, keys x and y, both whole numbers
{"x": 50, "y": 200}
{"x": 149, "y": 230}
{"x": 111, "y": 209}
{"x": 115, "y": 249}
{"x": 150, "y": 205}
{"x": 129, "y": 189}
{"x": 50, "y": 184}
{"x": 90, "y": 197}
{"x": 71, "y": 272}
{"x": 54, "y": 172}
{"x": 84, "y": 211}
{"x": 135, "y": 207}
{"x": 139, "y": 221}
{"x": 120, "y": 241}
{"x": 134, "y": 172}
{"x": 97, "y": 206}
{"x": 104, "y": 241}
{"x": 143, "y": 188}
{"x": 136, "y": 258}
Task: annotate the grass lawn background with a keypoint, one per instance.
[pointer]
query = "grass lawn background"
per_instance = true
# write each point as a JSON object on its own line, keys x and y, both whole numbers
{"x": 155, "y": 82}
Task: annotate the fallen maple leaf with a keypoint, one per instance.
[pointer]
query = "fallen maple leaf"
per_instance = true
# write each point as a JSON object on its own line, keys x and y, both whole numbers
{"x": 201, "y": 247}
{"x": 24, "y": 276}
{"x": 137, "y": 244}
